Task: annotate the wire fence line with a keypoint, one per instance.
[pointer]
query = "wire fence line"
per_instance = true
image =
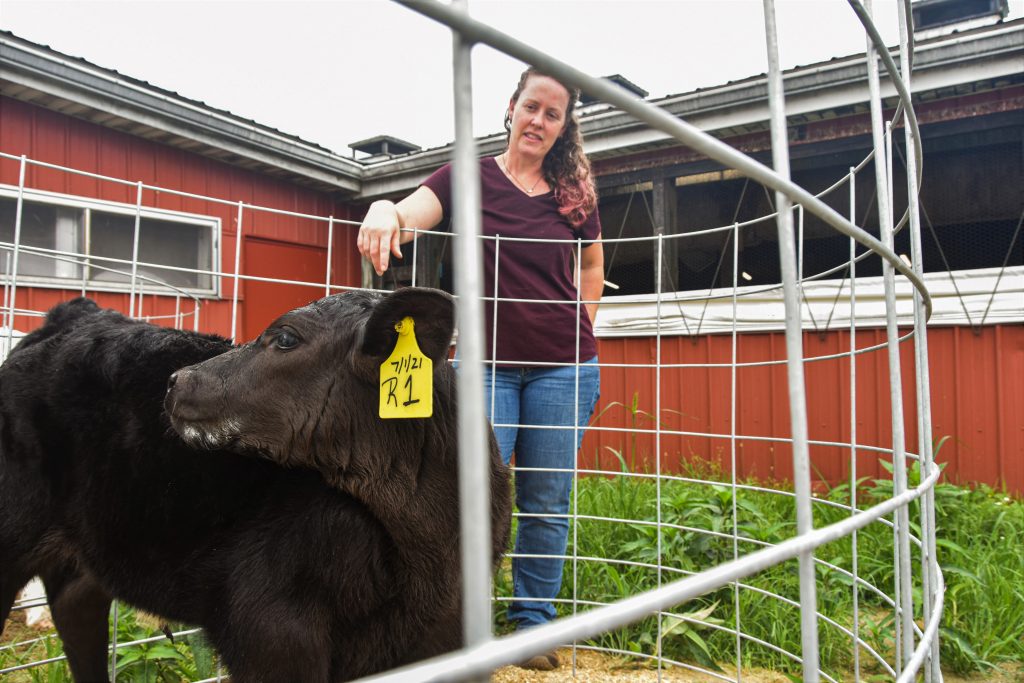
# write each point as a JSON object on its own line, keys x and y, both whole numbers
{"x": 917, "y": 645}
{"x": 475, "y": 662}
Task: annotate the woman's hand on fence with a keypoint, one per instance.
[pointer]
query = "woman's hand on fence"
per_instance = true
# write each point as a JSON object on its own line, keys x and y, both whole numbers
{"x": 380, "y": 235}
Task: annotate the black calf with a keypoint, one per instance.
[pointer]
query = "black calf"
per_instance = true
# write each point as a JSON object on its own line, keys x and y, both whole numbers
{"x": 315, "y": 543}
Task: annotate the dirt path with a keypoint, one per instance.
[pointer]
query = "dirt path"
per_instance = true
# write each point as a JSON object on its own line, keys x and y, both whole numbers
{"x": 595, "y": 667}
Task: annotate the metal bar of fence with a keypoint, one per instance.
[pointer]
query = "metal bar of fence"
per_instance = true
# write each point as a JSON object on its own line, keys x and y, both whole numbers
{"x": 905, "y": 559}
{"x": 70, "y": 257}
{"x": 474, "y": 498}
{"x": 854, "y": 560}
{"x": 713, "y": 366}
{"x": 882, "y": 596}
{"x": 135, "y": 249}
{"x": 330, "y": 246}
{"x": 320, "y": 218}
{"x": 899, "y": 477}
{"x": 732, "y": 444}
{"x": 794, "y": 352}
{"x": 238, "y": 265}
{"x": 112, "y": 648}
{"x": 659, "y": 291}
{"x": 494, "y": 325}
{"x": 885, "y": 230}
{"x": 217, "y": 274}
{"x": 930, "y": 635}
{"x": 12, "y": 272}
{"x": 415, "y": 259}
{"x": 578, "y": 277}
{"x": 177, "y": 193}
{"x": 9, "y": 331}
{"x": 921, "y": 376}
{"x": 884, "y": 194}
{"x": 115, "y": 618}
{"x": 294, "y": 214}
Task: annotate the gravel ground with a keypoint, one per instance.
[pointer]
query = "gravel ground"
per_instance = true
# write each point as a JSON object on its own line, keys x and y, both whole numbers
{"x": 596, "y": 667}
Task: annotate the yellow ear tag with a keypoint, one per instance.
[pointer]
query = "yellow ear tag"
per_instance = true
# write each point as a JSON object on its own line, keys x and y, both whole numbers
{"x": 406, "y": 378}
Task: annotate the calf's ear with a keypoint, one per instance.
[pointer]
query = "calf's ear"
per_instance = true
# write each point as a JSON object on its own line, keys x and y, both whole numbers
{"x": 432, "y": 311}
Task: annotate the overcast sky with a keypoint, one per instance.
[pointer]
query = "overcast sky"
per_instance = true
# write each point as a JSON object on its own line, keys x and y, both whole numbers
{"x": 334, "y": 72}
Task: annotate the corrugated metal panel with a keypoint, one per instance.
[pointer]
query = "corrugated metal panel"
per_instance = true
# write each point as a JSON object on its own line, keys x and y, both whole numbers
{"x": 977, "y": 402}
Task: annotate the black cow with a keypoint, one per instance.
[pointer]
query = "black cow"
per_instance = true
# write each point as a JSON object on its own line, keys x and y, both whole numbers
{"x": 314, "y": 542}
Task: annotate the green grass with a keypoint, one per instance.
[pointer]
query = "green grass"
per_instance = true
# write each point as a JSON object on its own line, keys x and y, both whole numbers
{"x": 980, "y": 547}
{"x": 188, "y": 658}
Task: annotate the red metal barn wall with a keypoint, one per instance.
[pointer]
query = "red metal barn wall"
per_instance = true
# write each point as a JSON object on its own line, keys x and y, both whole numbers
{"x": 976, "y": 387}
{"x": 977, "y": 392}
{"x": 274, "y": 246}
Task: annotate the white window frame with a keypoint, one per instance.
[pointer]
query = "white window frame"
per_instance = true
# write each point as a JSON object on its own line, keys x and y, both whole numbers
{"x": 77, "y": 202}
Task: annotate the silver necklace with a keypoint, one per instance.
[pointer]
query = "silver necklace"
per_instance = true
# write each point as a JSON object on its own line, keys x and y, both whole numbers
{"x": 529, "y": 190}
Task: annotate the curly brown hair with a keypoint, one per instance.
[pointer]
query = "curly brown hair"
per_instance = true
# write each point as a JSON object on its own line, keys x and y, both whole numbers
{"x": 566, "y": 167}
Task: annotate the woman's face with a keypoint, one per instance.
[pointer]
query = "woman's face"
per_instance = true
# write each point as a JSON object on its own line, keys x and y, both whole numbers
{"x": 538, "y": 116}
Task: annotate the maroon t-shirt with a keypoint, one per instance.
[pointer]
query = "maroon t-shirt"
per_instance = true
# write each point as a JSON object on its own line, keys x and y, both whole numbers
{"x": 541, "y": 325}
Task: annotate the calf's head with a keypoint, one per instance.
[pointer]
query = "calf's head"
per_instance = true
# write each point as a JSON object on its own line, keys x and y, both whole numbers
{"x": 305, "y": 392}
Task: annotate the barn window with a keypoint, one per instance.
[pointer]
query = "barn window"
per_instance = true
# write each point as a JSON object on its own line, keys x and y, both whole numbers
{"x": 90, "y": 243}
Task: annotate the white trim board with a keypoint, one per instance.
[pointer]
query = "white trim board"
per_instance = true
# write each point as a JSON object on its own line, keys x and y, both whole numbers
{"x": 826, "y": 303}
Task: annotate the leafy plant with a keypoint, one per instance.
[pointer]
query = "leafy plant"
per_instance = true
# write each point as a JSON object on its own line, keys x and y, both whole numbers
{"x": 980, "y": 535}
{"x": 145, "y": 660}
{"x": 688, "y": 627}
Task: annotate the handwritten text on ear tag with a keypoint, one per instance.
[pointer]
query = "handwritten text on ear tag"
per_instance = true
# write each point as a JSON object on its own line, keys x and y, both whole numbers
{"x": 406, "y": 378}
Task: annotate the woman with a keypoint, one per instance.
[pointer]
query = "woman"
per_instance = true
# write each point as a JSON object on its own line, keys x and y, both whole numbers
{"x": 543, "y": 349}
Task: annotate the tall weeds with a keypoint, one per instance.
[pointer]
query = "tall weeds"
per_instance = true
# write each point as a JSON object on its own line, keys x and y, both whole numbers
{"x": 980, "y": 548}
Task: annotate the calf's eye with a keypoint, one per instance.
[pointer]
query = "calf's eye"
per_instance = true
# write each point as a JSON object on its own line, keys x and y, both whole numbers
{"x": 286, "y": 340}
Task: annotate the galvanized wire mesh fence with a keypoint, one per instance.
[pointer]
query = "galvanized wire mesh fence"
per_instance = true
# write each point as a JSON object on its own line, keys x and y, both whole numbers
{"x": 662, "y": 581}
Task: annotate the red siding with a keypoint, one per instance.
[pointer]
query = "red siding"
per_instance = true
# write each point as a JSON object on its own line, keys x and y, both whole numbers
{"x": 976, "y": 387}
{"x": 48, "y": 136}
{"x": 281, "y": 261}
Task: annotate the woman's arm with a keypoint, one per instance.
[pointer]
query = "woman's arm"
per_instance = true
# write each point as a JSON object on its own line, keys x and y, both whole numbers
{"x": 380, "y": 235}
{"x": 592, "y": 276}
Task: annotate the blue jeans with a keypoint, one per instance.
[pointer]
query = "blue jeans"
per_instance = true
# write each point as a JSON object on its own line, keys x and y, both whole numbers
{"x": 526, "y": 398}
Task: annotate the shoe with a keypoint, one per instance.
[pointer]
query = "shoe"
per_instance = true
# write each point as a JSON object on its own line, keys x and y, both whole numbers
{"x": 543, "y": 662}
